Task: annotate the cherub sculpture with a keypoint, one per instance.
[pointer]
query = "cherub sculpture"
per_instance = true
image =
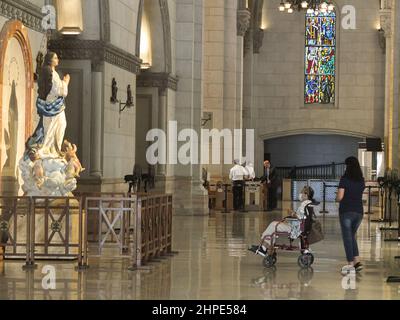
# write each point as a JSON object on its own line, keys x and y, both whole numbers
{"x": 74, "y": 167}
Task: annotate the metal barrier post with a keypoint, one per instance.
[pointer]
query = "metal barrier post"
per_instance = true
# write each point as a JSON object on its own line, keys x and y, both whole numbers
{"x": 390, "y": 228}
{"x": 383, "y": 206}
{"x": 30, "y": 236}
{"x": 243, "y": 209}
{"x": 82, "y": 251}
{"x": 369, "y": 211}
{"x": 137, "y": 243}
{"x": 398, "y": 228}
{"x": 226, "y": 199}
{"x": 369, "y": 201}
{"x": 324, "y": 200}
{"x": 396, "y": 279}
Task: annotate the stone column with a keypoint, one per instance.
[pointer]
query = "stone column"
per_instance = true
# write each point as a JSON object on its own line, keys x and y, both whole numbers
{"x": 189, "y": 195}
{"x": 243, "y": 23}
{"x": 96, "y": 124}
{"x": 162, "y": 122}
{"x": 389, "y": 22}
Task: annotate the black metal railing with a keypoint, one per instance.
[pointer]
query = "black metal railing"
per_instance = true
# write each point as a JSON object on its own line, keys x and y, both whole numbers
{"x": 324, "y": 171}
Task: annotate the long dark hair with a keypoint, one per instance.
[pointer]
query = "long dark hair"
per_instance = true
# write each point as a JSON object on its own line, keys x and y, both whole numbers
{"x": 353, "y": 169}
{"x": 45, "y": 80}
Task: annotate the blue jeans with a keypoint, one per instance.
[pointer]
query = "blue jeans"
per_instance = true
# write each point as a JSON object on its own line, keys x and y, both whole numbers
{"x": 350, "y": 222}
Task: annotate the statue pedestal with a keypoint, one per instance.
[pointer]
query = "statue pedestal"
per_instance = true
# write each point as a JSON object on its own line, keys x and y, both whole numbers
{"x": 56, "y": 230}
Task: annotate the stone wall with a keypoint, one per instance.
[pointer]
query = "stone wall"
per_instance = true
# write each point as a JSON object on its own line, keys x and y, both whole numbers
{"x": 123, "y": 23}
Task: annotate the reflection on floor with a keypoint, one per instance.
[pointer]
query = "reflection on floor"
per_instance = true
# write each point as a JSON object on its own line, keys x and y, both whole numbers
{"x": 213, "y": 263}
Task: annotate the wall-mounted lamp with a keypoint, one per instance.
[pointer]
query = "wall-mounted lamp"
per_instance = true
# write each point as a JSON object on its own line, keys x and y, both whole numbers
{"x": 129, "y": 100}
{"x": 69, "y": 17}
{"x": 114, "y": 100}
{"x": 207, "y": 117}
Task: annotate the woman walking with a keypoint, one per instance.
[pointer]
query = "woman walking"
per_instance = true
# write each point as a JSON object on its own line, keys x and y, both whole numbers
{"x": 351, "y": 212}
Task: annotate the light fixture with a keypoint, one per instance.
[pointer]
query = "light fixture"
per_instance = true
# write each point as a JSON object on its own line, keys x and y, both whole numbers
{"x": 69, "y": 17}
{"x": 312, "y": 6}
{"x": 114, "y": 99}
{"x": 145, "y": 43}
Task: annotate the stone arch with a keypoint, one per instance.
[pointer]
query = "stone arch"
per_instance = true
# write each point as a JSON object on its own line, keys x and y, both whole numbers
{"x": 167, "y": 35}
{"x": 14, "y": 29}
{"x": 288, "y": 133}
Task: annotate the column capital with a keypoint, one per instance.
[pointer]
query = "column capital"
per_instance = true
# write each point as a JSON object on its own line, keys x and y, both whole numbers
{"x": 243, "y": 21}
{"x": 385, "y": 17}
{"x": 386, "y": 4}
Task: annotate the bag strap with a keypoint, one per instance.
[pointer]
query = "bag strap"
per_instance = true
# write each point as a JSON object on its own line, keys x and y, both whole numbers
{"x": 306, "y": 211}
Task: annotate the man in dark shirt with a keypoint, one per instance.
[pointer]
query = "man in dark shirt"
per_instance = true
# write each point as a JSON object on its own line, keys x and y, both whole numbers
{"x": 271, "y": 179}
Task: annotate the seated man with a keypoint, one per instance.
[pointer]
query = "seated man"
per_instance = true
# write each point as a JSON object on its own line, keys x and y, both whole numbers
{"x": 290, "y": 225}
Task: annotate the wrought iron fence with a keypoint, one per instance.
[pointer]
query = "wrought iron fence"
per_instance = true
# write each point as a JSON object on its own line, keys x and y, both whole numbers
{"x": 331, "y": 171}
{"x": 57, "y": 228}
{"x": 42, "y": 228}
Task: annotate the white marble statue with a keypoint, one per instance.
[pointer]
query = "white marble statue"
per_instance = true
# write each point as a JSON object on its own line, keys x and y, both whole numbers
{"x": 50, "y": 166}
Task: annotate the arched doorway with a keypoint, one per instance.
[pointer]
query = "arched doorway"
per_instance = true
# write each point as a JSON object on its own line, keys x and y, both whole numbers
{"x": 16, "y": 88}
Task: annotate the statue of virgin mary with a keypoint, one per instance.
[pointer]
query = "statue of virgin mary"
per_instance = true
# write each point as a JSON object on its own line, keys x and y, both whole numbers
{"x": 50, "y": 165}
{"x": 49, "y": 134}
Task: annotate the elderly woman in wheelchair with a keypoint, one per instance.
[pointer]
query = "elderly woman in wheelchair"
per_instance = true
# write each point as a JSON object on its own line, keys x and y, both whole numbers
{"x": 296, "y": 226}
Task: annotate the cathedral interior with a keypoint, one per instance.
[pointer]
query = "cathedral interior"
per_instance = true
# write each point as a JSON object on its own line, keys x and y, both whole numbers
{"x": 98, "y": 97}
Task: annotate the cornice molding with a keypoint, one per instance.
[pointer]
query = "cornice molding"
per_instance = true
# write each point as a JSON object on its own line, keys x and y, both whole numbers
{"x": 97, "y": 51}
{"x": 161, "y": 80}
{"x": 26, "y": 12}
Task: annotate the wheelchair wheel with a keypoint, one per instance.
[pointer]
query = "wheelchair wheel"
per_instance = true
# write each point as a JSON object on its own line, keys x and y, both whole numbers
{"x": 306, "y": 260}
{"x": 269, "y": 261}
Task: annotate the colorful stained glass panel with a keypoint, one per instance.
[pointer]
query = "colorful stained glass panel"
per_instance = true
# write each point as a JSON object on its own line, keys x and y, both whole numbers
{"x": 312, "y": 60}
{"x": 312, "y": 31}
{"x": 327, "y": 31}
{"x": 312, "y": 89}
{"x": 327, "y": 89}
{"x": 327, "y": 61}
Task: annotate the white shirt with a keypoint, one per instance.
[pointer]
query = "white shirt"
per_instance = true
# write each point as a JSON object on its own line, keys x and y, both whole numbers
{"x": 250, "y": 172}
{"x": 237, "y": 173}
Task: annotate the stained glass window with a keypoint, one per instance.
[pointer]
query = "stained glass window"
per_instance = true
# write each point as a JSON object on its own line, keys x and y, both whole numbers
{"x": 320, "y": 58}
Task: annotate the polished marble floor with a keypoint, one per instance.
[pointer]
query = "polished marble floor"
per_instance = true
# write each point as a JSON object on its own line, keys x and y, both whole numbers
{"x": 213, "y": 263}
